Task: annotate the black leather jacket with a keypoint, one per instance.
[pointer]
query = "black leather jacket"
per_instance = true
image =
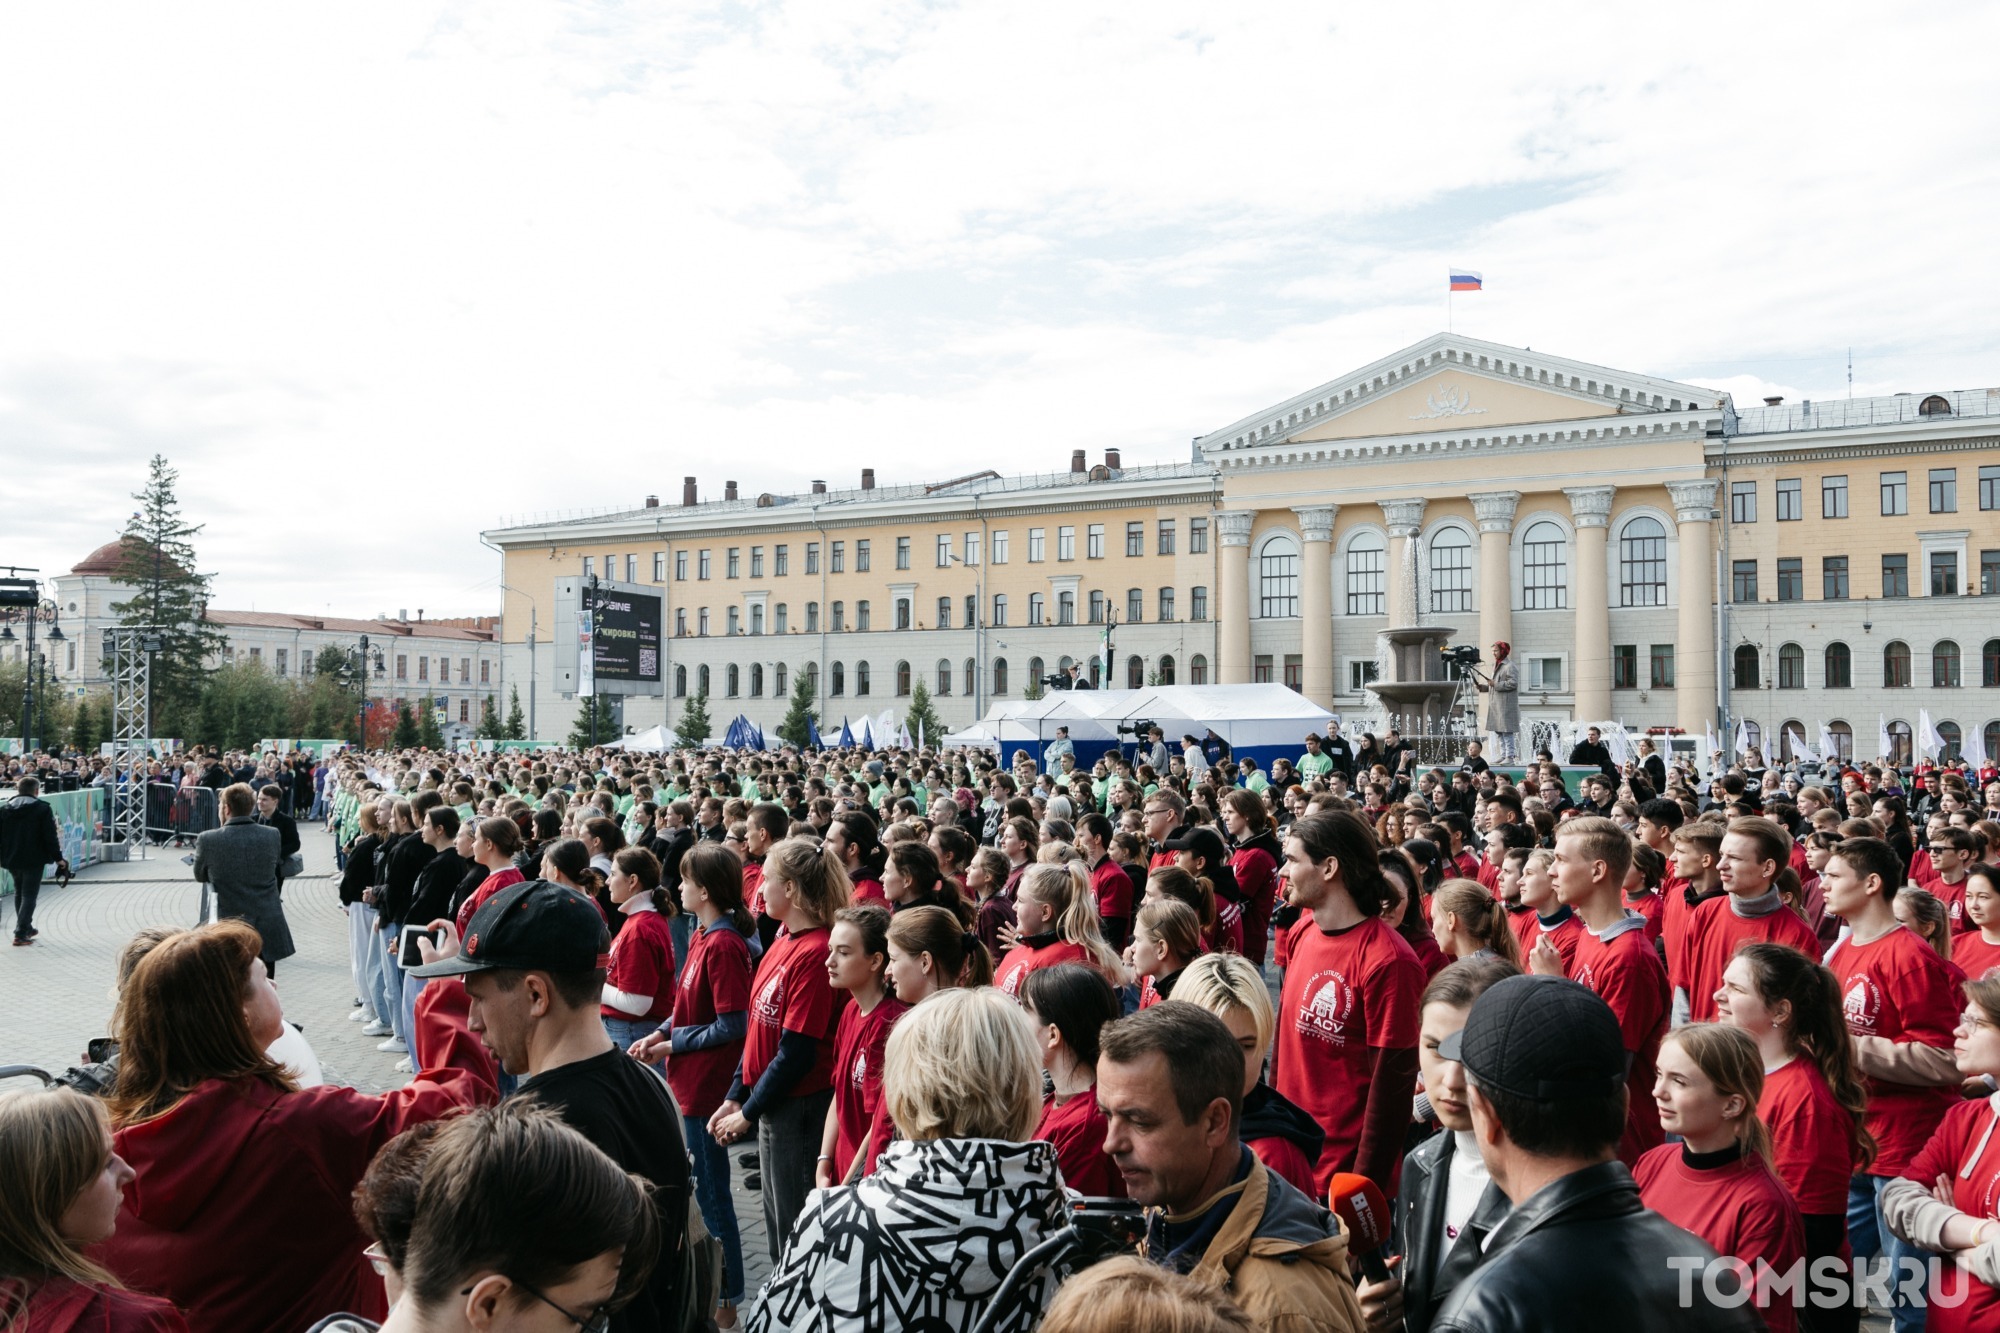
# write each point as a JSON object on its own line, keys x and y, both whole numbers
{"x": 1583, "y": 1254}
{"x": 1419, "y": 1230}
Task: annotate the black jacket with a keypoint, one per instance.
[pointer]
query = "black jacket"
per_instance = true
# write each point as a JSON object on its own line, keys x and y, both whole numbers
{"x": 288, "y": 831}
{"x": 436, "y": 883}
{"x": 359, "y": 876}
{"x": 670, "y": 845}
{"x": 28, "y": 834}
{"x": 1418, "y": 1230}
{"x": 1583, "y": 1254}
{"x": 1267, "y": 1115}
{"x": 1588, "y": 752}
{"x": 1342, "y": 754}
{"x": 407, "y": 860}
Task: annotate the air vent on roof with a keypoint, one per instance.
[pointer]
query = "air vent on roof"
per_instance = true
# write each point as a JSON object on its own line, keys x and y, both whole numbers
{"x": 729, "y": 490}
{"x": 819, "y": 488}
{"x": 1774, "y": 402}
{"x": 868, "y": 479}
{"x": 652, "y": 502}
{"x": 687, "y": 491}
{"x": 1111, "y": 459}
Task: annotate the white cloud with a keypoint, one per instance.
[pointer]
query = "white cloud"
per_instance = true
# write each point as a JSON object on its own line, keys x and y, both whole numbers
{"x": 373, "y": 276}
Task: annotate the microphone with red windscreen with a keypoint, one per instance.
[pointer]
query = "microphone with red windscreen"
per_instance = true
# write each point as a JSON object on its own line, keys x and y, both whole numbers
{"x": 1364, "y": 1215}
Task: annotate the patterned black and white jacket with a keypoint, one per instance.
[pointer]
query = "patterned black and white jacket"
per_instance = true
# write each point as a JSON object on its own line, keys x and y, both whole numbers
{"x": 922, "y": 1243}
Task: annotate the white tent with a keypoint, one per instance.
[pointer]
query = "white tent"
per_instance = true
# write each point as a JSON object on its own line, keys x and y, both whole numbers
{"x": 1243, "y": 715}
{"x": 653, "y": 740}
{"x": 974, "y": 737}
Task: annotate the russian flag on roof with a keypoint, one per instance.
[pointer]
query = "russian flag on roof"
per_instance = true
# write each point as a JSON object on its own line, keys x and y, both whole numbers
{"x": 1465, "y": 280}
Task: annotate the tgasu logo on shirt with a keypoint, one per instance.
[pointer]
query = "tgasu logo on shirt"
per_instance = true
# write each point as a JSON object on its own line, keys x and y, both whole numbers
{"x": 1861, "y": 1002}
{"x": 771, "y": 1001}
{"x": 1328, "y": 1008}
{"x": 858, "y": 1077}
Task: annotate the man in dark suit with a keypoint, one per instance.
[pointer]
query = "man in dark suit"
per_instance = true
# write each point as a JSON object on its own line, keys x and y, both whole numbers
{"x": 29, "y": 843}
{"x": 240, "y": 862}
{"x": 271, "y": 814}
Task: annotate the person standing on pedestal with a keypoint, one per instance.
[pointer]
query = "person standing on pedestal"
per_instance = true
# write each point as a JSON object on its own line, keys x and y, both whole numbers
{"x": 1503, "y": 711}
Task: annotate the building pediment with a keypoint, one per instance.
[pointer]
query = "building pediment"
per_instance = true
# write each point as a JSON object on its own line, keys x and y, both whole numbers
{"x": 1449, "y": 384}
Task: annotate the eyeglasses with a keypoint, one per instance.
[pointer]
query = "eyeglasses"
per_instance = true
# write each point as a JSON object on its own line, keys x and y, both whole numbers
{"x": 597, "y": 1321}
{"x": 1936, "y": 850}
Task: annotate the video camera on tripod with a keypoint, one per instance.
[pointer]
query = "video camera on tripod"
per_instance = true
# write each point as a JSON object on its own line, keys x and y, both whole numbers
{"x": 1464, "y": 656}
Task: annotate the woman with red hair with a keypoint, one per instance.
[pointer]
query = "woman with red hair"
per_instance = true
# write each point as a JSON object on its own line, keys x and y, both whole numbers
{"x": 1503, "y": 711}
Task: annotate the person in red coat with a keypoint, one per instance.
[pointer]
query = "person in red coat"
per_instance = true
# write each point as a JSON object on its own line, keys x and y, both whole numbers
{"x": 64, "y": 1181}
{"x": 1069, "y": 1004}
{"x": 1255, "y": 860}
{"x": 224, "y": 1145}
{"x": 1717, "y": 1181}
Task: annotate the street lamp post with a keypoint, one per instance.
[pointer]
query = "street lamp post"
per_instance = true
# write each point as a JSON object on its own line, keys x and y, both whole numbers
{"x": 591, "y": 648}
{"x": 26, "y": 593}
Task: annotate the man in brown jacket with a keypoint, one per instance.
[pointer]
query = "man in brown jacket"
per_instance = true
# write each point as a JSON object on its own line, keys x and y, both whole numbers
{"x": 1170, "y": 1083}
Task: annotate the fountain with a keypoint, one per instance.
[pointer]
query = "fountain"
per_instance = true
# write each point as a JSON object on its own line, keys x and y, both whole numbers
{"x": 1416, "y": 688}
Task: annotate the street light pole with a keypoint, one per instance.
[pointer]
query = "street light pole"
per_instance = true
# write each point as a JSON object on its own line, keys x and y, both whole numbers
{"x": 592, "y": 650}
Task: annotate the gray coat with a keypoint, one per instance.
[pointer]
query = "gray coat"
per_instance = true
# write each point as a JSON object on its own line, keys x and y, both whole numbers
{"x": 1503, "y": 711}
{"x": 240, "y": 860}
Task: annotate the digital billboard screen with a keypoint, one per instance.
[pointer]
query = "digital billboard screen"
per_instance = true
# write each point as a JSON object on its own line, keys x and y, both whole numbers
{"x": 627, "y": 635}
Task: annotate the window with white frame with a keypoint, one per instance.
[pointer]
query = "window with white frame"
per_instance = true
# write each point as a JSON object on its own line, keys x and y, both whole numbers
{"x": 1642, "y": 563}
{"x": 1544, "y": 568}
{"x": 1451, "y": 570}
{"x": 1367, "y": 585}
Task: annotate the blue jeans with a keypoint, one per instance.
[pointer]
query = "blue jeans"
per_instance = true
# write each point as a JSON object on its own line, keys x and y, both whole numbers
{"x": 389, "y": 980}
{"x": 412, "y": 988}
{"x": 718, "y": 1209}
{"x": 624, "y": 1031}
{"x": 1868, "y": 1233}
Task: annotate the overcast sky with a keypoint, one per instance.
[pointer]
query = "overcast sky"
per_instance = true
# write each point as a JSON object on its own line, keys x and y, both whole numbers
{"x": 374, "y": 276}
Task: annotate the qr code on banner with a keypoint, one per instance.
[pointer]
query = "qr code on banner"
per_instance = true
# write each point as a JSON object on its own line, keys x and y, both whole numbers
{"x": 649, "y": 661}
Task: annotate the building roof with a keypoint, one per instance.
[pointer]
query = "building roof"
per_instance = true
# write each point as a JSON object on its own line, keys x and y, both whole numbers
{"x": 104, "y": 561}
{"x": 399, "y": 629}
{"x": 1894, "y": 409}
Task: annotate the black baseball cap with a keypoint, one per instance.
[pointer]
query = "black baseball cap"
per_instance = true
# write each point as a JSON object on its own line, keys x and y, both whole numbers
{"x": 1203, "y": 841}
{"x": 531, "y": 926}
{"x": 1545, "y": 1039}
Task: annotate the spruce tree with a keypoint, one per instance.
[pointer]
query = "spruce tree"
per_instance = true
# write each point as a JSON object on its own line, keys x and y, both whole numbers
{"x": 517, "y": 728}
{"x": 580, "y": 731}
{"x": 796, "y": 729}
{"x": 156, "y": 560}
{"x": 921, "y": 718}
{"x": 407, "y": 736}
{"x": 489, "y": 721}
{"x": 86, "y": 733}
{"x": 694, "y": 724}
{"x": 429, "y": 734}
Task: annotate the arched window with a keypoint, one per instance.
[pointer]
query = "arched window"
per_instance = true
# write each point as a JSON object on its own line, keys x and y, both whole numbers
{"x": 1000, "y": 610}
{"x": 1791, "y": 667}
{"x": 1642, "y": 563}
{"x": 734, "y": 676}
{"x": 812, "y": 617}
{"x": 1753, "y": 735}
{"x": 1065, "y": 608}
{"x": 778, "y": 619}
{"x": 1936, "y": 405}
{"x": 812, "y": 676}
{"x": 1544, "y": 568}
{"x": 1035, "y": 608}
{"x": 861, "y": 678}
{"x": 943, "y": 676}
{"x": 837, "y": 615}
{"x": 778, "y": 680}
{"x": 1949, "y": 733}
{"x": 680, "y": 682}
{"x": 1839, "y": 667}
{"x": 999, "y": 675}
{"x": 757, "y": 618}
{"x": 1367, "y": 581}
{"x": 1843, "y": 740}
{"x": 1451, "y": 570}
{"x": 735, "y": 620}
{"x": 1278, "y": 577}
{"x": 971, "y": 677}
{"x": 902, "y": 679}
{"x": 756, "y": 680}
{"x": 1899, "y": 742}
{"x": 1097, "y": 606}
{"x": 1944, "y": 665}
{"x": 1749, "y": 674}
{"x": 839, "y": 681}
{"x": 1198, "y": 670}
{"x": 1989, "y": 672}
{"x": 1896, "y": 665}
{"x": 1788, "y": 733}
{"x": 701, "y": 680}
{"x": 902, "y": 613}
{"x": 944, "y": 613}
{"x": 1096, "y": 672}
{"x": 1167, "y": 670}
{"x": 1992, "y": 741}
{"x": 1035, "y": 673}
{"x": 1135, "y": 673}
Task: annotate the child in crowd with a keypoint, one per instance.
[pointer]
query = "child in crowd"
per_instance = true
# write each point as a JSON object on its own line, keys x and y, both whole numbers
{"x": 1167, "y": 939}
{"x": 857, "y": 962}
{"x": 1057, "y": 923}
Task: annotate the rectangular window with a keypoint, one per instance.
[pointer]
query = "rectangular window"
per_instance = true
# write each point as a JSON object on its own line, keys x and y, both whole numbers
{"x": 812, "y": 617}
{"x": 1624, "y": 666}
{"x": 1833, "y": 578}
{"x": 1833, "y": 497}
{"x": 1989, "y": 573}
{"x": 1036, "y": 538}
{"x": 702, "y": 564}
{"x": 1295, "y": 669}
{"x": 1545, "y": 673}
{"x": 812, "y": 557}
{"x": 902, "y": 552}
{"x": 589, "y": 567}
{"x": 1166, "y": 604}
{"x": 1742, "y": 502}
{"x": 1198, "y": 603}
{"x": 680, "y": 622}
{"x": 423, "y": 664}
{"x": 1096, "y": 607}
{"x": 971, "y": 548}
{"x": 944, "y": 613}
{"x": 944, "y": 550}
{"x": 756, "y": 562}
{"x": 1791, "y": 500}
{"x": 465, "y": 671}
{"x": 402, "y": 667}
{"x": 1000, "y": 548}
{"x": 733, "y": 563}
{"x": 1944, "y": 490}
{"x": 999, "y": 610}
{"x": 1260, "y": 669}
{"x": 485, "y": 672}
{"x": 971, "y": 610}
{"x": 861, "y": 616}
{"x": 1066, "y": 543}
{"x": 902, "y": 613}
{"x": 680, "y": 566}
{"x": 1278, "y": 583}
{"x": 1065, "y": 608}
{"x": 1093, "y": 541}
{"x": 465, "y": 710}
{"x": 1743, "y": 581}
{"x": 283, "y": 654}
{"x": 781, "y": 560}
{"x": 659, "y": 566}
{"x": 837, "y": 558}
{"x": 1035, "y": 608}
{"x": 1135, "y": 606}
{"x": 1989, "y": 487}
{"x": 1166, "y": 536}
{"x": 631, "y": 568}
{"x": 1135, "y": 539}
{"x": 1197, "y": 536}
{"x": 701, "y": 623}
{"x": 1360, "y": 672}
{"x": 1365, "y": 581}
{"x": 1662, "y": 660}
{"x": 862, "y": 555}
{"x": 1896, "y": 575}
{"x": 1791, "y": 579}
{"x": 1944, "y": 573}
{"x": 1895, "y": 493}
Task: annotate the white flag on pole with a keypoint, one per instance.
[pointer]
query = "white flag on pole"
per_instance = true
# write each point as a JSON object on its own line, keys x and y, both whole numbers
{"x": 1884, "y": 750}
{"x": 1929, "y": 743}
{"x": 1829, "y": 747}
{"x": 1799, "y": 746}
{"x": 1742, "y": 737}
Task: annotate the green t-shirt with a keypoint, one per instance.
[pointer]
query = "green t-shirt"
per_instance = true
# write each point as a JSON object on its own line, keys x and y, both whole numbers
{"x": 1314, "y": 765}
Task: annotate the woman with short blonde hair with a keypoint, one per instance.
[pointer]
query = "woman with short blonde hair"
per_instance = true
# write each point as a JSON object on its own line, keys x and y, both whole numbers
{"x": 1285, "y": 1138}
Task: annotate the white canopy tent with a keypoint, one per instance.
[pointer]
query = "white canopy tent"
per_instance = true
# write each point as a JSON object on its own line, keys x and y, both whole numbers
{"x": 1247, "y": 716}
{"x": 653, "y": 740}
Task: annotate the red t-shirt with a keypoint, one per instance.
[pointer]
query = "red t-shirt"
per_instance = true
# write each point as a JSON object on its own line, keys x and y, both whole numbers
{"x": 1285, "y": 1158}
{"x": 1741, "y": 1209}
{"x": 1897, "y": 987}
{"x": 857, "y": 1091}
{"x": 1675, "y": 917}
{"x": 1257, "y": 876}
{"x": 1488, "y": 876}
{"x": 1923, "y": 871}
{"x": 1973, "y": 954}
{"x": 1522, "y": 919}
{"x": 1077, "y": 1128}
{"x": 492, "y": 884}
{"x": 753, "y": 887}
{"x": 1345, "y": 992}
{"x": 869, "y": 891}
{"x": 1975, "y": 1189}
{"x": 1112, "y": 888}
{"x": 1468, "y": 865}
{"x": 1809, "y": 1143}
{"x": 1654, "y": 908}
{"x": 1712, "y": 940}
{"x": 792, "y": 994}
{"x": 1563, "y": 935}
{"x": 642, "y": 963}
{"x": 1622, "y": 966}
{"x": 1024, "y": 958}
{"x": 715, "y": 981}
{"x": 1953, "y": 898}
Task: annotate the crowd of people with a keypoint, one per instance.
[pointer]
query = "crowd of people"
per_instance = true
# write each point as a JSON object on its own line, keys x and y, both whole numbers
{"x": 1165, "y": 1040}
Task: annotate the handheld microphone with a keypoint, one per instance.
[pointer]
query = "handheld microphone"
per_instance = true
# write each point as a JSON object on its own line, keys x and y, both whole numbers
{"x": 1364, "y": 1215}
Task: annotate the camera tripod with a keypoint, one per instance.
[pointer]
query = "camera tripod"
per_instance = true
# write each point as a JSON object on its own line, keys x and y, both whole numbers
{"x": 1462, "y": 716}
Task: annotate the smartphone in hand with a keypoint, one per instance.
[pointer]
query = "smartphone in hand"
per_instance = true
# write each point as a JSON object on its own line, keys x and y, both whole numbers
{"x": 410, "y": 955}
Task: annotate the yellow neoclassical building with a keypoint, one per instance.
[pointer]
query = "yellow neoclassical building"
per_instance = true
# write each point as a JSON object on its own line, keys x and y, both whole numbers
{"x": 1653, "y": 552}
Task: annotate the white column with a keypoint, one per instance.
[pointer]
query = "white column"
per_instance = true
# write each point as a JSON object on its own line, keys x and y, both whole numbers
{"x": 1405, "y": 519}
{"x": 1316, "y": 603}
{"x": 1590, "y": 657}
{"x": 1232, "y": 598}
{"x": 1495, "y": 512}
{"x": 1695, "y": 665}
